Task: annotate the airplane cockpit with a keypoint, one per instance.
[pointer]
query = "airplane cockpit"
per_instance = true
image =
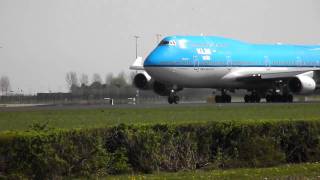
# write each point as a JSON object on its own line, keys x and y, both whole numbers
{"x": 167, "y": 43}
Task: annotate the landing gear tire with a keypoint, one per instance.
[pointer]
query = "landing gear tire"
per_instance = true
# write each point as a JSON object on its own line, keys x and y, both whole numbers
{"x": 246, "y": 98}
{"x": 290, "y": 98}
{"x": 228, "y": 98}
{"x": 279, "y": 98}
{"x": 176, "y": 99}
{"x": 268, "y": 98}
{"x": 170, "y": 100}
{"x": 173, "y": 99}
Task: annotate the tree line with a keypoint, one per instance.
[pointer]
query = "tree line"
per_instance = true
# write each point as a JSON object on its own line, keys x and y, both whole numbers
{"x": 115, "y": 86}
{"x": 120, "y": 80}
{"x": 81, "y": 87}
{"x": 4, "y": 85}
{"x": 94, "y": 89}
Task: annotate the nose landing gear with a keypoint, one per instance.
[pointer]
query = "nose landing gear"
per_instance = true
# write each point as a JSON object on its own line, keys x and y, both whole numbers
{"x": 173, "y": 98}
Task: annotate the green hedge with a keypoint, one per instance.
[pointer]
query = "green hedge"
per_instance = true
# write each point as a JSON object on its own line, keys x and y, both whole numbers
{"x": 47, "y": 154}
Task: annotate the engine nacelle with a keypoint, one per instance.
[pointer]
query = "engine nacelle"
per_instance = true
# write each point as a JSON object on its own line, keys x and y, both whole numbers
{"x": 302, "y": 85}
{"x": 143, "y": 81}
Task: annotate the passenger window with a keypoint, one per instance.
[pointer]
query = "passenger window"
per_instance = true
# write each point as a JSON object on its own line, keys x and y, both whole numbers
{"x": 172, "y": 43}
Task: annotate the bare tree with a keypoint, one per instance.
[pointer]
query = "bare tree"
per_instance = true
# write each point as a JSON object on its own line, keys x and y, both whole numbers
{"x": 72, "y": 79}
{"x": 4, "y": 84}
{"x": 96, "y": 78}
{"x": 109, "y": 78}
{"x": 120, "y": 80}
{"x": 84, "y": 80}
{"x": 131, "y": 77}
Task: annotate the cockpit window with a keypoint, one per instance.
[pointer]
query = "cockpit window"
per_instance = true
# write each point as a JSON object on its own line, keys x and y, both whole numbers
{"x": 165, "y": 43}
{"x": 162, "y": 43}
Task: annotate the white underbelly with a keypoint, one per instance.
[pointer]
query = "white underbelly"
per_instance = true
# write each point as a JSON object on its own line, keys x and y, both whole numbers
{"x": 189, "y": 77}
{"x": 208, "y": 77}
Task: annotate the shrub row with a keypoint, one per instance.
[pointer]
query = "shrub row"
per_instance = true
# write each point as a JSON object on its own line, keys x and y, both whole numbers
{"x": 125, "y": 148}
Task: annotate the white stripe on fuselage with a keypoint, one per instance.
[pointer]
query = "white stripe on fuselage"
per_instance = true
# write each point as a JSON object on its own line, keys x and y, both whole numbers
{"x": 212, "y": 77}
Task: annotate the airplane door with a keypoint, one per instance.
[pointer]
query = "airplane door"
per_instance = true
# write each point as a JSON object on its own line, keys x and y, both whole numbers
{"x": 195, "y": 63}
{"x": 298, "y": 61}
{"x": 229, "y": 62}
{"x": 267, "y": 62}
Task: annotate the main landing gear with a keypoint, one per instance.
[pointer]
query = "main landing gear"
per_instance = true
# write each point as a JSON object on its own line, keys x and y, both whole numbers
{"x": 253, "y": 98}
{"x": 173, "y": 98}
{"x": 279, "y": 98}
{"x": 223, "y": 98}
{"x": 271, "y": 97}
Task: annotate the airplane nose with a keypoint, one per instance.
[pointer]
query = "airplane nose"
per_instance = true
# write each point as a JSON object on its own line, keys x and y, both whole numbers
{"x": 147, "y": 62}
{"x": 159, "y": 55}
{"x": 151, "y": 60}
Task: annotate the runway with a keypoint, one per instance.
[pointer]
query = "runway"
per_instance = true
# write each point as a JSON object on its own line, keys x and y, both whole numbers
{"x": 139, "y": 106}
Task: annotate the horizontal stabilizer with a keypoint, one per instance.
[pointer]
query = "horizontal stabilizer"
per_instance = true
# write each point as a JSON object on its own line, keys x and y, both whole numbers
{"x": 138, "y": 64}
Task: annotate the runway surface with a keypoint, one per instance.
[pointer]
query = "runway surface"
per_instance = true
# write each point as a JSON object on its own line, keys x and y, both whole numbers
{"x": 162, "y": 105}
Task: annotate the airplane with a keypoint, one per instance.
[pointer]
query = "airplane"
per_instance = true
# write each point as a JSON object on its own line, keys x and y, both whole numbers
{"x": 271, "y": 71}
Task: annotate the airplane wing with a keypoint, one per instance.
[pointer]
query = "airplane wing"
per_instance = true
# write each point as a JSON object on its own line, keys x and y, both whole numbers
{"x": 137, "y": 64}
{"x": 267, "y": 76}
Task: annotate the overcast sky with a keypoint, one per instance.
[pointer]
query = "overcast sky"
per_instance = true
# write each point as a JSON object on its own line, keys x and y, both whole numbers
{"x": 42, "y": 40}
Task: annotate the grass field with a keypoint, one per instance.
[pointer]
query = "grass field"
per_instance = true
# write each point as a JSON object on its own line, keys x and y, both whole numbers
{"x": 298, "y": 171}
{"x": 90, "y": 118}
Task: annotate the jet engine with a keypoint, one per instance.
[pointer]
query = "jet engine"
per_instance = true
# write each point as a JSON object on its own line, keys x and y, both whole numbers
{"x": 302, "y": 85}
{"x": 143, "y": 81}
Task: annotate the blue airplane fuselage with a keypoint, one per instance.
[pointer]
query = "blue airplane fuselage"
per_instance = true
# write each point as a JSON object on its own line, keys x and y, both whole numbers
{"x": 216, "y": 62}
{"x": 204, "y": 51}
